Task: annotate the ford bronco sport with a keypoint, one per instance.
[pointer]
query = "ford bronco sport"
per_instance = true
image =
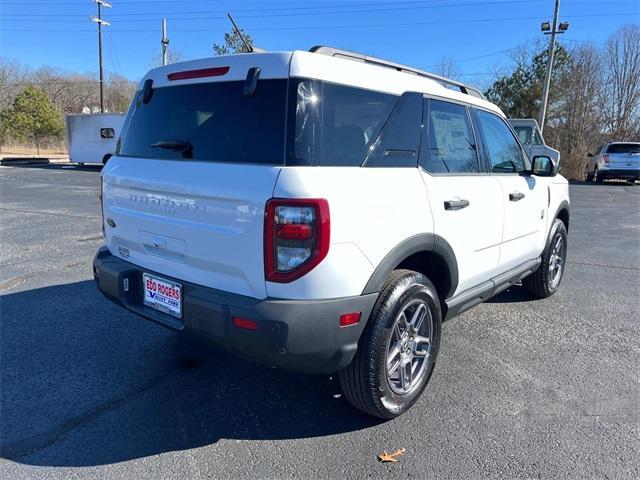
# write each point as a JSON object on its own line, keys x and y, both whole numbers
{"x": 324, "y": 212}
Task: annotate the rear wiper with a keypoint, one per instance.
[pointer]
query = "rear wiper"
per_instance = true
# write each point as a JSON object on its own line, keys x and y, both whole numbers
{"x": 178, "y": 145}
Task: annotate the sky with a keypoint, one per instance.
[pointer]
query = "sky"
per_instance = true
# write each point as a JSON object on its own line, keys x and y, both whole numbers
{"x": 477, "y": 35}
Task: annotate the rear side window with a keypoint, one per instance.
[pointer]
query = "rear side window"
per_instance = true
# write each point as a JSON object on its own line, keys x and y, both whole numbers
{"x": 624, "y": 148}
{"x": 450, "y": 144}
{"x": 504, "y": 152}
{"x": 334, "y": 125}
{"x": 399, "y": 141}
{"x": 211, "y": 122}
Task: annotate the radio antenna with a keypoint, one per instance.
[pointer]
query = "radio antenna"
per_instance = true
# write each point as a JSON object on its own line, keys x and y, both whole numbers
{"x": 247, "y": 45}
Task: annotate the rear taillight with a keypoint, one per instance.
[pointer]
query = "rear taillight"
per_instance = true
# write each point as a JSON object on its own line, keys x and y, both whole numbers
{"x": 102, "y": 207}
{"x": 296, "y": 237}
{"x": 605, "y": 158}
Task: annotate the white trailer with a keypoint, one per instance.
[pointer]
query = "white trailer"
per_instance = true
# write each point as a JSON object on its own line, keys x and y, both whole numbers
{"x": 92, "y": 138}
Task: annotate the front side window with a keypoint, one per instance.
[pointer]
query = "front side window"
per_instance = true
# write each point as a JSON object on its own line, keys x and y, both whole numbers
{"x": 334, "y": 125}
{"x": 212, "y": 122}
{"x": 504, "y": 152}
{"x": 450, "y": 146}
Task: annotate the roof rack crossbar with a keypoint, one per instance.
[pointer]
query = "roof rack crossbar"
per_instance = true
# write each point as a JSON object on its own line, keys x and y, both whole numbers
{"x": 336, "y": 52}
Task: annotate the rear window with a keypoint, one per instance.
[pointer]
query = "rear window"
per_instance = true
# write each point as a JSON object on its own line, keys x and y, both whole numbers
{"x": 624, "y": 148}
{"x": 212, "y": 122}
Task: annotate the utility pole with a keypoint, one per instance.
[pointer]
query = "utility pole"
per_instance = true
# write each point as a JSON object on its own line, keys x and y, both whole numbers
{"x": 164, "y": 41}
{"x": 553, "y": 31}
{"x": 100, "y": 22}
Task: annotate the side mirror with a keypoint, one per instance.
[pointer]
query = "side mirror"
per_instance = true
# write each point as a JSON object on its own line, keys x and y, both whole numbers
{"x": 544, "y": 166}
{"x": 590, "y": 155}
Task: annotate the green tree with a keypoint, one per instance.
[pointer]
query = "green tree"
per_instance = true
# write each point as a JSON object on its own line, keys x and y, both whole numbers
{"x": 233, "y": 44}
{"x": 32, "y": 115}
{"x": 518, "y": 94}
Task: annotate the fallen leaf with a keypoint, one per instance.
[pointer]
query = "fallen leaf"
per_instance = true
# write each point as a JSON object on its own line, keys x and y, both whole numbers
{"x": 390, "y": 457}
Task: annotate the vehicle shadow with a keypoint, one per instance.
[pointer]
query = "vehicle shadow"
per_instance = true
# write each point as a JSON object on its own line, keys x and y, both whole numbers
{"x": 606, "y": 183}
{"x": 514, "y": 294}
{"x": 87, "y": 383}
{"x": 60, "y": 166}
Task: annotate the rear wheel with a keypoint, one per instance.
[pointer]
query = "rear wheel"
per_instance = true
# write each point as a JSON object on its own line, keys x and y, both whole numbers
{"x": 597, "y": 177}
{"x": 398, "y": 349}
{"x": 545, "y": 281}
{"x": 589, "y": 176}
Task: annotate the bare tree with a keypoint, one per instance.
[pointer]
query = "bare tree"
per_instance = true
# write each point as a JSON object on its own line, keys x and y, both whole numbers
{"x": 620, "y": 98}
{"x": 173, "y": 56}
{"x": 577, "y": 123}
{"x": 12, "y": 78}
{"x": 446, "y": 67}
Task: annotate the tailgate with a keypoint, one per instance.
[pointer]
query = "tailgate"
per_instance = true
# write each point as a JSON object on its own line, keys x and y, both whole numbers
{"x": 196, "y": 221}
{"x": 624, "y": 160}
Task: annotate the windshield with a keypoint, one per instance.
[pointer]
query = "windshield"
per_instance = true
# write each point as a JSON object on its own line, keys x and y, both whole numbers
{"x": 524, "y": 134}
{"x": 624, "y": 148}
{"x": 212, "y": 122}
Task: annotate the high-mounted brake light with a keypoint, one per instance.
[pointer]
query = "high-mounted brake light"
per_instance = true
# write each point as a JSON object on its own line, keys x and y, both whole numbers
{"x": 200, "y": 73}
{"x": 296, "y": 237}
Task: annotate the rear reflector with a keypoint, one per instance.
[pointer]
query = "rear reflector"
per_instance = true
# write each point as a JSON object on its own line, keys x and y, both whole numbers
{"x": 203, "y": 72}
{"x": 347, "y": 319}
{"x": 244, "y": 323}
{"x": 294, "y": 231}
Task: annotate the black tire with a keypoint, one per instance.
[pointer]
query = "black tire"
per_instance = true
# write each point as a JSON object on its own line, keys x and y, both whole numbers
{"x": 365, "y": 382}
{"x": 597, "y": 178}
{"x": 589, "y": 177}
{"x": 540, "y": 283}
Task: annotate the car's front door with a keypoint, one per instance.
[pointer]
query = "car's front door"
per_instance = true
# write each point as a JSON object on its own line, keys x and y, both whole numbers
{"x": 524, "y": 197}
{"x": 466, "y": 202}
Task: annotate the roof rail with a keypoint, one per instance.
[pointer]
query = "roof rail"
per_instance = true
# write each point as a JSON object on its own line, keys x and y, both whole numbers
{"x": 358, "y": 57}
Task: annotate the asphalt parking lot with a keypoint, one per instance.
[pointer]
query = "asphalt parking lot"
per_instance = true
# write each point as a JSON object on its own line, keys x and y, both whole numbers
{"x": 533, "y": 389}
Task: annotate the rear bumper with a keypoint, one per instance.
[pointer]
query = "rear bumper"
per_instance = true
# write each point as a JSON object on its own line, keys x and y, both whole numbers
{"x": 619, "y": 172}
{"x": 299, "y": 335}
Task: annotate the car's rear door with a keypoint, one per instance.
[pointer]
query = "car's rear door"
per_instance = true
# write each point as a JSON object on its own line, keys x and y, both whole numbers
{"x": 466, "y": 202}
{"x": 524, "y": 197}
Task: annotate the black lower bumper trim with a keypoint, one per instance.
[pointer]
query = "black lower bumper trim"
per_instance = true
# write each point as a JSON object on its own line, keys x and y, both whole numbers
{"x": 619, "y": 173}
{"x": 300, "y": 335}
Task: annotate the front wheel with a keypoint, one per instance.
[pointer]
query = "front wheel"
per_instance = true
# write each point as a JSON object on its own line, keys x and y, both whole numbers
{"x": 545, "y": 281}
{"x": 398, "y": 349}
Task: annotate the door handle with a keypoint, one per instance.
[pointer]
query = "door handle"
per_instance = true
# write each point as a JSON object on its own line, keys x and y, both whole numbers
{"x": 515, "y": 196}
{"x": 456, "y": 204}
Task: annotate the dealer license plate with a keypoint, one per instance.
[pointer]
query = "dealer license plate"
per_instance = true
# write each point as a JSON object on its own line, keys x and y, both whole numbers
{"x": 162, "y": 294}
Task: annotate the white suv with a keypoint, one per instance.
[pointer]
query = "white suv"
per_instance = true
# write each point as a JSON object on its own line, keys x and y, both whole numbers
{"x": 324, "y": 212}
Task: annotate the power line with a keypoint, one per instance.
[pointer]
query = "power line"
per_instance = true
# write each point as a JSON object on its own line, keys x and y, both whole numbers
{"x": 241, "y": 12}
{"x": 324, "y": 27}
